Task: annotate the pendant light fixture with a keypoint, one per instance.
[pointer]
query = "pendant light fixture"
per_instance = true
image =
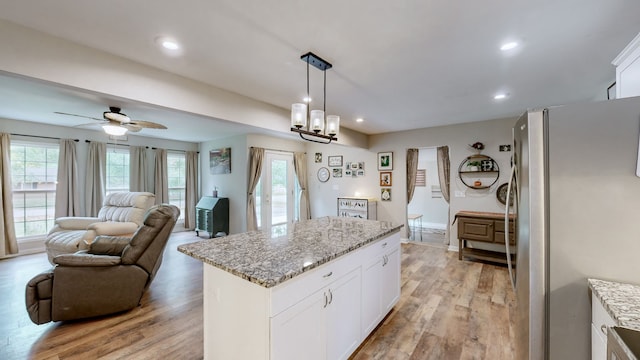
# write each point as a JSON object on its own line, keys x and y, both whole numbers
{"x": 312, "y": 122}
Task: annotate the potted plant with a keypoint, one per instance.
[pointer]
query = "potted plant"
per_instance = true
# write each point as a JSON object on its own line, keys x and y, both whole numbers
{"x": 473, "y": 165}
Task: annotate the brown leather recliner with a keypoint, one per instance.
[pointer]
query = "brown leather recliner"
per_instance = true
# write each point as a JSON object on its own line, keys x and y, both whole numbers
{"x": 110, "y": 277}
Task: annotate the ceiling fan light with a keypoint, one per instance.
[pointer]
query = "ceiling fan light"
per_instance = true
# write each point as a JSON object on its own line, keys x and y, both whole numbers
{"x": 114, "y": 130}
{"x": 298, "y": 115}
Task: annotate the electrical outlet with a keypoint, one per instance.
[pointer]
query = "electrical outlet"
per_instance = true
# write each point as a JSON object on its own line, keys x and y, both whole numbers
{"x": 459, "y": 193}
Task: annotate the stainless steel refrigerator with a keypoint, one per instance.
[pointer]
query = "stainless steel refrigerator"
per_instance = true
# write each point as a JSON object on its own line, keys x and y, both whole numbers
{"x": 578, "y": 217}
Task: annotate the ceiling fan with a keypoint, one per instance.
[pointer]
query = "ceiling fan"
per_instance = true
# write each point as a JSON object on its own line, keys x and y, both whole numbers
{"x": 115, "y": 122}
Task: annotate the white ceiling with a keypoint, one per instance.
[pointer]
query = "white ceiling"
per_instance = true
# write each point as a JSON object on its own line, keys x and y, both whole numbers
{"x": 400, "y": 65}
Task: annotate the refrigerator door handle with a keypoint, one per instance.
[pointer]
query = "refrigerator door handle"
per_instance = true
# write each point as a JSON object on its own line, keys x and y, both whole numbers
{"x": 506, "y": 225}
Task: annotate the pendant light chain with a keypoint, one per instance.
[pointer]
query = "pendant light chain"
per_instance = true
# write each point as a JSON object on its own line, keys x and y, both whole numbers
{"x": 308, "y": 99}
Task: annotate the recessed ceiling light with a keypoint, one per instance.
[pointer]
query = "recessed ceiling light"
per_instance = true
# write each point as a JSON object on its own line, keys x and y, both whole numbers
{"x": 500, "y": 96}
{"x": 306, "y": 99}
{"x": 509, "y": 46}
{"x": 170, "y": 45}
{"x": 359, "y": 120}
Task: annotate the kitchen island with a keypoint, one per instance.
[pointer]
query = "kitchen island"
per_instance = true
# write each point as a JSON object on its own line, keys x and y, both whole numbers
{"x": 315, "y": 293}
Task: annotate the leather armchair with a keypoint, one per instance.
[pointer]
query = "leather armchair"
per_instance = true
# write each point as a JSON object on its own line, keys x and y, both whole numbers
{"x": 111, "y": 276}
{"x": 120, "y": 215}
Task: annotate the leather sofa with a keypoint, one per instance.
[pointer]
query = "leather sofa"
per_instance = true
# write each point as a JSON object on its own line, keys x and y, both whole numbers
{"x": 120, "y": 215}
{"x": 110, "y": 277}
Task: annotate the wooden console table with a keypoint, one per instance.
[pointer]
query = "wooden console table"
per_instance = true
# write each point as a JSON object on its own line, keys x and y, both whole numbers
{"x": 486, "y": 227}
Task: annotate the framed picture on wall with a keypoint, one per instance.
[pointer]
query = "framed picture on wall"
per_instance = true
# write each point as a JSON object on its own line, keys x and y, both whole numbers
{"x": 385, "y": 160}
{"x": 385, "y": 194}
{"x": 385, "y": 178}
{"x": 220, "y": 161}
{"x": 335, "y": 160}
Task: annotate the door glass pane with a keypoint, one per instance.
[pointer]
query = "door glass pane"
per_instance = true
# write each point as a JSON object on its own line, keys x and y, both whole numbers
{"x": 278, "y": 192}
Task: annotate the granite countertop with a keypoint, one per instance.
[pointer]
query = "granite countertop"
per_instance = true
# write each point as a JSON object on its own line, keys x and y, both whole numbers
{"x": 268, "y": 260}
{"x": 622, "y": 301}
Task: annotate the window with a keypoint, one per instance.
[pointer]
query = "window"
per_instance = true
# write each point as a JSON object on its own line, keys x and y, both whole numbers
{"x": 117, "y": 170}
{"x": 421, "y": 177}
{"x": 176, "y": 173}
{"x": 34, "y": 171}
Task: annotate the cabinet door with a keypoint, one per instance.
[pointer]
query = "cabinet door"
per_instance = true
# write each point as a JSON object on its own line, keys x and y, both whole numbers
{"x": 390, "y": 291}
{"x": 299, "y": 332}
{"x": 371, "y": 295}
{"x": 475, "y": 229}
{"x": 343, "y": 316}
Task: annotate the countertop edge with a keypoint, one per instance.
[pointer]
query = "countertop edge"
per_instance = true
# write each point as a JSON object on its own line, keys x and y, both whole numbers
{"x": 594, "y": 286}
{"x": 272, "y": 283}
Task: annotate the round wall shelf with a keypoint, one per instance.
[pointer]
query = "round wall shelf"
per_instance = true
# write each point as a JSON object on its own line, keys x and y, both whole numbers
{"x": 478, "y": 171}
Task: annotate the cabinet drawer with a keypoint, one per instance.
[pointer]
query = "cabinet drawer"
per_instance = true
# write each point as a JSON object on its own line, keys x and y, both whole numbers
{"x": 500, "y": 225}
{"x": 498, "y": 238}
{"x": 292, "y": 291}
{"x": 475, "y": 229}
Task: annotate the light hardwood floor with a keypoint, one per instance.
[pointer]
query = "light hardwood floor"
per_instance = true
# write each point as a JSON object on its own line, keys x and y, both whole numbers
{"x": 449, "y": 309}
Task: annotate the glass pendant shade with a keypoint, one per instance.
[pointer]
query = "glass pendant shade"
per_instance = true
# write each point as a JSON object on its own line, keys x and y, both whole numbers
{"x": 298, "y": 115}
{"x": 317, "y": 121}
{"x": 114, "y": 130}
{"x": 333, "y": 125}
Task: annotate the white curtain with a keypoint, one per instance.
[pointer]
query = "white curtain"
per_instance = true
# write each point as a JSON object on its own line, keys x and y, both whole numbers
{"x": 300, "y": 166}
{"x": 256, "y": 156}
{"x": 67, "y": 198}
{"x": 161, "y": 177}
{"x": 191, "y": 190}
{"x": 96, "y": 177}
{"x": 8, "y": 243}
{"x": 138, "y": 168}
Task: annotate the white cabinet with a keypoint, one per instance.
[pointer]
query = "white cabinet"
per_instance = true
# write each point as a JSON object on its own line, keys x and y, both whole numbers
{"x": 322, "y": 326}
{"x": 600, "y": 322}
{"x": 319, "y": 314}
{"x": 357, "y": 207}
{"x": 380, "y": 282}
{"x": 628, "y": 70}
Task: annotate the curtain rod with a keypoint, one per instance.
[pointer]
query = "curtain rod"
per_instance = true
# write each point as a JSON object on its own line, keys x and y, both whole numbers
{"x": 42, "y": 137}
{"x": 146, "y": 147}
{"x": 277, "y": 150}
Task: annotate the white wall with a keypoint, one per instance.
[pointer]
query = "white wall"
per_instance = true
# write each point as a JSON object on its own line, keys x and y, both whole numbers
{"x": 434, "y": 210}
{"x": 458, "y": 137}
{"x": 324, "y": 195}
{"x": 234, "y": 185}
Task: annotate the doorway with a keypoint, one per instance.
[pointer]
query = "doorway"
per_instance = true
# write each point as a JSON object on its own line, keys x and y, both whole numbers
{"x": 428, "y": 211}
{"x": 276, "y": 190}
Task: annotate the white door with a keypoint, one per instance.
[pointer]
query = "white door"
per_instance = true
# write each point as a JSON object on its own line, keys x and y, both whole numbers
{"x": 277, "y": 183}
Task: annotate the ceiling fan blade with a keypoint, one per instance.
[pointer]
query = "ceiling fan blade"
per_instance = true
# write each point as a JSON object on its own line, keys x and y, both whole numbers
{"x": 87, "y": 124}
{"x": 82, "y": 116}
{"x": 147, "y": 124}
{"x": 131, "y": 127}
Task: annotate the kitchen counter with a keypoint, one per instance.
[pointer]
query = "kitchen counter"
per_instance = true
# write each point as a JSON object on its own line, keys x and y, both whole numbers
{"x": 621, "y": 301}
{"x": 265, "y": 260}
{"x": 261, "y": 291}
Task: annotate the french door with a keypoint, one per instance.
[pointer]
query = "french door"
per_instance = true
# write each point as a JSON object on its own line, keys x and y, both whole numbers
{"x": 277, "y": 188}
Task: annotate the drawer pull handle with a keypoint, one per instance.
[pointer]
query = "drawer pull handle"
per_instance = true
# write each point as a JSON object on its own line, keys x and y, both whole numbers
{"x": 384, "y": 245}
{"x": 327, "y": 275}
{"x": 603, "y": 328}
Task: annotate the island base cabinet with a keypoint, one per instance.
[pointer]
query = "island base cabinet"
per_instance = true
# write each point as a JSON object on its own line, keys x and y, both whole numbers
{"x": 380, "y": 283}
{"x": 320, "y": 314}
{"x": 322, "y": 326}
{"x": 300, "y": 331}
